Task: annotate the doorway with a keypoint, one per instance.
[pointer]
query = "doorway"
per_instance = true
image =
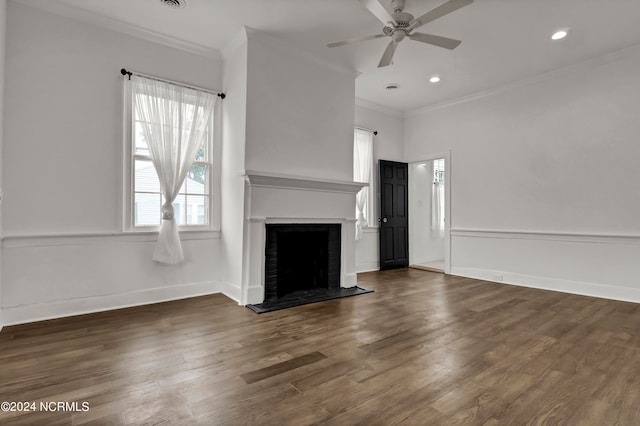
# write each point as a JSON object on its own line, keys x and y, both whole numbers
{"x": 428, "y": 214}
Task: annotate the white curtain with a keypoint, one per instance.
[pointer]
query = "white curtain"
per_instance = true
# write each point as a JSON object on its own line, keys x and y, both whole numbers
{"x": 174, "y": 121}
{"x": 362, "y": 167}
{"x": 437, "y": 200}
{"x": 437, "y": 214}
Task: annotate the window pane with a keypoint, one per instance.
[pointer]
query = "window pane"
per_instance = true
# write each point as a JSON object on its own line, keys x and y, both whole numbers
{"x": 196, "y": 180}
{"x": 147, "y": 209}
{"x": 201, "y": 215}
{"x": 179, "y": 205}
{"x": 146, "y": 178}
{"x": 197, "y": 208}
{"x": 201, "y": 154}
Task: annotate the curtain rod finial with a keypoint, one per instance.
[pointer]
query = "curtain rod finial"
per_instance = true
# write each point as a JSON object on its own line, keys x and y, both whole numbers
{"x": 222, "y": 95}
{"x": 125, "y": 72}
{"x": 375, "y": 133}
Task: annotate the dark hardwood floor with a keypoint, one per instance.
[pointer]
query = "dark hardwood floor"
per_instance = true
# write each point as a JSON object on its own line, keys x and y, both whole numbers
{"x": 424, "y": 349}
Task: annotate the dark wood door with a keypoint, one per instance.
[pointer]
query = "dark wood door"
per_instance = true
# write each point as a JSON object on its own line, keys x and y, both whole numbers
{"x": 393, "y": 192}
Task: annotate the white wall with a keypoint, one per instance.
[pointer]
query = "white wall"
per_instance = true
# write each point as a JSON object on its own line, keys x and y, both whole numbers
{"x": 425, "y": 245}
{"x": 233, "y": 160}
{"x": 3, "y": 25}
{"x": 544, "y": 178}
{"x": 387, "y": 145}
{"x": 62, "y": 171}
{"x": 299, "y": 112}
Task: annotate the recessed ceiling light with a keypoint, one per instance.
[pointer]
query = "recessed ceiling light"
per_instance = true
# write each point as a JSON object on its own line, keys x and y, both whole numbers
{"x": 559, "y": 35}
{"x": 434, "y": 79}
{"x": 391, "y": 86}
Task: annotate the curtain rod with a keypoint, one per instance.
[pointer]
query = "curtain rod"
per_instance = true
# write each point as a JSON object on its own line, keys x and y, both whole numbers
{"x": 123, "y": 71}
{"x": 375, "y": 132}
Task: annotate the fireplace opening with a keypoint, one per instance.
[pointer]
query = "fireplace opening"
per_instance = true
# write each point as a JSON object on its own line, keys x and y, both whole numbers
{"x": 301, "y": 257}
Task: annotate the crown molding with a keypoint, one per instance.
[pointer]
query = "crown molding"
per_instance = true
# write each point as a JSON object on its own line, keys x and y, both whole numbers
{"x": 377, "y": 107}
{"x": 531, "y": 80}
{"x": 121, "y": 27}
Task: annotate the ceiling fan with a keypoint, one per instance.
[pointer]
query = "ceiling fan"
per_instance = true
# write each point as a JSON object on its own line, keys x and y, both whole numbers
{"x": 400, "y": 25}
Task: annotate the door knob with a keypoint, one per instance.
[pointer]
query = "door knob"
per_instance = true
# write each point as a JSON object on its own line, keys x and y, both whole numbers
{"x": 384, "y": 219}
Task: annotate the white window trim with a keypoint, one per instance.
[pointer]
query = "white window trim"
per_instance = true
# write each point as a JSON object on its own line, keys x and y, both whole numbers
{"x": 128, "y": 206}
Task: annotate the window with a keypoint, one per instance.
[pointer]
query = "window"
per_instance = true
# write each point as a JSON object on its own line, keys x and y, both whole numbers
{"x": 362, "y": 172}
{"x": 193, "y": 206}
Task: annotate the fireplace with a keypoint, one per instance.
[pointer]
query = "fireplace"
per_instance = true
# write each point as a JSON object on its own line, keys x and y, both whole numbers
{"x": 291, "y": 206}
{"x": 301, "y": 257}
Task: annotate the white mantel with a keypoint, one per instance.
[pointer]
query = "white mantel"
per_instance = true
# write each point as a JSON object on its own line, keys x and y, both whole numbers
{"x": 279, "y": 180}
{"x": 280, "y": 198}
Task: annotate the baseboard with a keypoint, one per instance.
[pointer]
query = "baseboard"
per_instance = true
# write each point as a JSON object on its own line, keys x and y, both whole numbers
{"x": 367, "y": 267}
{"x": 604, "y": 291}
{"x": 433, "y": 259}
{"x": 231, "y": 291}
{"x": 13, "y": 315}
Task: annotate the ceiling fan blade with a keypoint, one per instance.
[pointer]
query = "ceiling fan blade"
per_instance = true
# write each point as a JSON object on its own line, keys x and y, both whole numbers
{"x": 378, "y": 10}
{"x": 437, "y": 12}
{"x": 447, "y": 43}
{"x": 354, "y": 40}
{"x": 387, "y": 56}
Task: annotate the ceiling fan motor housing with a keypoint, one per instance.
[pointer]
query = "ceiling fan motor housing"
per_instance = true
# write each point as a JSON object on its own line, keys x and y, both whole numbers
{"x": 402, "y": 19}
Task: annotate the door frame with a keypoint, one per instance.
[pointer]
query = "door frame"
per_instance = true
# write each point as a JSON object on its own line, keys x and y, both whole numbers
{"x": 447, "y": 205}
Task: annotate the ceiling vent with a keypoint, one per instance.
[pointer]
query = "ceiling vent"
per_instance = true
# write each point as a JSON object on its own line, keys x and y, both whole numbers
{"x": 174, "y": 4}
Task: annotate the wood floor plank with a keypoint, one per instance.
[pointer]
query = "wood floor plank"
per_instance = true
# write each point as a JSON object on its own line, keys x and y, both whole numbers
{"x": 281, "y": 367}
{"x": 424, "y": 349}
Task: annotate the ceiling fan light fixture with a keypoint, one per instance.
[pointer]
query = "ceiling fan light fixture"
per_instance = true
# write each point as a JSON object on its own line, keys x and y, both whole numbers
{"x": 560, "y": 34}
{"x": 434, "y": 79}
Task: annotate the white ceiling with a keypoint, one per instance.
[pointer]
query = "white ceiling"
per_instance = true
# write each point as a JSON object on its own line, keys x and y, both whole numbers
{"x": 503, "y": 40}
